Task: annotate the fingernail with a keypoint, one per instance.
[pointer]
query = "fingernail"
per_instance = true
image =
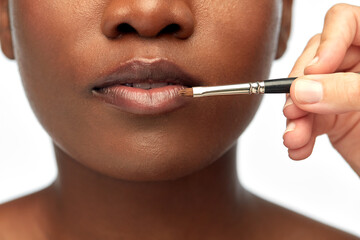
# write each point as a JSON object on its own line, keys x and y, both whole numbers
{"x": 308, "y": 91}
{"x": 288, "y": 102}
{"x": 314, "y": 61}
{"x": 290, "y": 127}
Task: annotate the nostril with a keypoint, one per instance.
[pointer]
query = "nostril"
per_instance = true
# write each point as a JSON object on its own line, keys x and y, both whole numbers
{"x": 148, "y": 19}
{"x": 170, "y": 29}
{"x": 125, "y": 28}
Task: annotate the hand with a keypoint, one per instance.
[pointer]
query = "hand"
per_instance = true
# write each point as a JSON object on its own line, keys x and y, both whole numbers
{"x": 324, "y": 101}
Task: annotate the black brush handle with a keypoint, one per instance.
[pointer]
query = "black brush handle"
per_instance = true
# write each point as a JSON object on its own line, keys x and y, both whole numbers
{"x": 281, "y": 85}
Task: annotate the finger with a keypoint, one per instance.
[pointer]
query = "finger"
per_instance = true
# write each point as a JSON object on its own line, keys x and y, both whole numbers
{"x": 339, "y": 33}
{"x": 303, "y": 152}
{"x": 291, "y": 111}
{"x": 356, "y": 68}
{"x": 324, "y": 123}
{"x": 351, "y": 60}
{"x": 321, "y": 124}
{"x": 306, "y": 56}
{"x": 327, "y": 93}
{"x": 298, "y": 132}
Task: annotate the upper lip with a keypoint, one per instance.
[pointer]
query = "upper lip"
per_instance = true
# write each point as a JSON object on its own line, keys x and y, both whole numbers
{"x": 142, "y": 70}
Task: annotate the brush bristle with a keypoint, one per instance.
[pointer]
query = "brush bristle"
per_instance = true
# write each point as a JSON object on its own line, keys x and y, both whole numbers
{"x": 187, "y": 92}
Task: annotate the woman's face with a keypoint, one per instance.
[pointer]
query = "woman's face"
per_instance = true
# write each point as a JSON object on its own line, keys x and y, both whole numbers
{"x": 66, "y": 49}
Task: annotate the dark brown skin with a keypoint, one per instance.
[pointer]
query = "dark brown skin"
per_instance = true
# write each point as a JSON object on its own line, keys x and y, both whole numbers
{"x": 123, "y": 176}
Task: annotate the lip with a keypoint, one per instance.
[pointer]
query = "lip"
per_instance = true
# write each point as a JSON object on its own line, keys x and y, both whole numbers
{"x": 111, "y": 89}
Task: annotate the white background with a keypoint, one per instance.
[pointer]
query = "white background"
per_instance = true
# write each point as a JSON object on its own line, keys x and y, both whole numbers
{"x": 323, "y": 187}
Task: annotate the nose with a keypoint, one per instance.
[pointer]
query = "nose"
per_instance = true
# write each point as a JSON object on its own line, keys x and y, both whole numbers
{"x": 147, "y": 18}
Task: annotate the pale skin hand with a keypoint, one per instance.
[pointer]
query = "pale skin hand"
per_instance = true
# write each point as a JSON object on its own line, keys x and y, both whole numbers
{"x": 331, "y": 104}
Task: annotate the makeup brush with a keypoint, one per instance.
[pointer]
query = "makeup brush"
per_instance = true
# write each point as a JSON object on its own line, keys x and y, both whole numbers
{"x": 280, "y": 85}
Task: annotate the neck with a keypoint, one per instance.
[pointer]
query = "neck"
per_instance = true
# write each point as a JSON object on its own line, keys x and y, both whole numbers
{"x": 91, "y": 205}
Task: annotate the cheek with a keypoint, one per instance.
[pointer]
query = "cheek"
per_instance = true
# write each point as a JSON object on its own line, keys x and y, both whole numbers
{"x": 240, "y": 37}
{"x": 52, "y": 71}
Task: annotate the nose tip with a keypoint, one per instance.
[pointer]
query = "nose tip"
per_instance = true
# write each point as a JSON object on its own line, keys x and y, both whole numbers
{"x": 148, "y": 19}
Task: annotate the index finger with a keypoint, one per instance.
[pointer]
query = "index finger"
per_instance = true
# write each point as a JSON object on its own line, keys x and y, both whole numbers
{"x": 341, "y": 30}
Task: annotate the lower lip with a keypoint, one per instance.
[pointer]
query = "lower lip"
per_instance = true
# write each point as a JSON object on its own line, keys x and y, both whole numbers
{"x": 141, "y": 101}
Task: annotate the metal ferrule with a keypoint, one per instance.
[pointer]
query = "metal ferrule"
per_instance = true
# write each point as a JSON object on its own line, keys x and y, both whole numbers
{"x": 244, "y": 88}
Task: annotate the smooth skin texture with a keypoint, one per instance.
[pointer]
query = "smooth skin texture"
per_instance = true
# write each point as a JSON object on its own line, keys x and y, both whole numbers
{"x": 123, "y": 176}
{"x": 327, "y": 99}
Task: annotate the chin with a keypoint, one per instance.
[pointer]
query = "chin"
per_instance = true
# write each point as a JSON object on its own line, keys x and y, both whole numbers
{"x": 149, "y": 168}
{"x": 135, "y": 163}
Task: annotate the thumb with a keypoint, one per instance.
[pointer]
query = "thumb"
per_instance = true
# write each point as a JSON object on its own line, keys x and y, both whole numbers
{"x": 327, "y": 93}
